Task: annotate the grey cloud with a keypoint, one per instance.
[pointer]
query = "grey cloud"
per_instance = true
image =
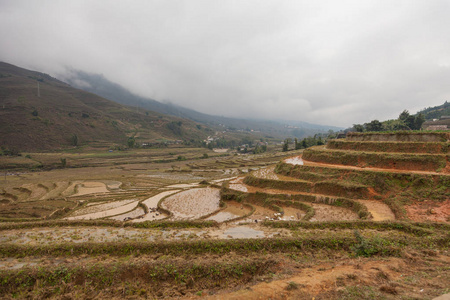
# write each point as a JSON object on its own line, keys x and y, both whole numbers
{"x": 326, "y": 62}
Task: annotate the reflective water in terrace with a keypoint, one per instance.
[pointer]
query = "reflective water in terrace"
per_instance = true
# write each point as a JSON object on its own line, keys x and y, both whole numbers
{"x": 243, "y": 232}
{"x": 193, "y": 203}
{"x": 294, "y": 161}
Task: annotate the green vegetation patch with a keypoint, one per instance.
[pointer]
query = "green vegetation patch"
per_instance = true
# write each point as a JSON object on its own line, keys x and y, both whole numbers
{"x": 146, "y": 279}
{"x": 294, "y": 201}
{"x": 417, "y": 229}
{"x": 400, "y": 136}
{"x": 109, "y": 223}
{"x": 419, "y": 162}
{"x": 418, "y": 186}
{"x": 402, "y": 147}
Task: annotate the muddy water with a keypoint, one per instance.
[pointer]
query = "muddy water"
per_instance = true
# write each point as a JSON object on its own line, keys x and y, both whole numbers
{"x": 222, "y": 216}
{"x": 232, "y": 211}
{"x": 193, "y": 203}
{"x": 294, "y": 161}
{"x": 332, "y": 213}
{"x": 223, "y": 179}
{"x": 379, "y": 210}
{"x": 113, "y": 185}
{"x": 261, "y": 213}
{"x": 40, "y": 236}
{"x": 266, "y": 173}
{"x": 291, "y": 213}
{"x": 94, "y": 207}
{"x": 138, "y": 212}
{"x": 152, "y": 205}
{"x": 106, "y": 213}
{"x": 182, "y": 185}
{"x": 237, "y": 185}
{"x": 243, "y": 232}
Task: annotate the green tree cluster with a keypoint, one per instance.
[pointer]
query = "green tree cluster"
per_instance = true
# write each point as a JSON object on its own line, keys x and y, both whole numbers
{"x": 405, "y": 121}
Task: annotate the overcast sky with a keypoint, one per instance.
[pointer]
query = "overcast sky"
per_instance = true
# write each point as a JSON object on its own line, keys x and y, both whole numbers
{"x": 326, "y": 62}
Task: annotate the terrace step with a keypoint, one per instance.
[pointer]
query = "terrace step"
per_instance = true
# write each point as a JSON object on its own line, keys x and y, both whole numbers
{"x": 391, "y": 147}
{"x": 400, "y": 136}
{"x": 329, "y": 187}
{"x": 309, "y": 197}
{"x": 396, "y": 161}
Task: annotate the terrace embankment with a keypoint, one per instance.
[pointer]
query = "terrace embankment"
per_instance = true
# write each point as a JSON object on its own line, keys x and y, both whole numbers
{"x": 408, "y": 173}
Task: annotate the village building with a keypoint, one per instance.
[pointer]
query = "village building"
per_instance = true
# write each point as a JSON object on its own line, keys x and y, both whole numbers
{"x": 442, "y": 124}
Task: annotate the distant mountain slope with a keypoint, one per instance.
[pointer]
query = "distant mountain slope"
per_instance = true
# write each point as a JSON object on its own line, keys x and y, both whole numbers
{"x": 436, "y": 112}
{"x": 100, "y": 85}
{"x": 38, "y": 112}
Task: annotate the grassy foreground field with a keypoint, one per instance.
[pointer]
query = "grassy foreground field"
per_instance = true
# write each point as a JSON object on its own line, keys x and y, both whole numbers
{"x": 175, "y": 223}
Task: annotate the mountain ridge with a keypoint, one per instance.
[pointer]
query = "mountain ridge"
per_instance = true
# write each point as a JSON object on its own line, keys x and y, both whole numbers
{"x": 100, "y": 85}
{"x": 39, "y": 112}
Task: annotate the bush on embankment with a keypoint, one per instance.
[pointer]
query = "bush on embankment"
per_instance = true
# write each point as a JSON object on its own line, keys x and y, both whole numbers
{"x": 339, "y": 188}
{"x": 399, "y": 136}
{"x": 417, "y": 229}
{"x": 144, "y": 279}
{"x": 418, "y": 162}
{"x": 294, "y": 201}
{"x": 399, "y": 147}
{"x": 419, "y": 186}
{"x": 109, "y": 223}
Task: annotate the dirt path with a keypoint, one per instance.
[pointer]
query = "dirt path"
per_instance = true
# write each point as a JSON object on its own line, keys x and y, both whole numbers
{"x": 326, "y": 165}
{"x": 393, "y": 278}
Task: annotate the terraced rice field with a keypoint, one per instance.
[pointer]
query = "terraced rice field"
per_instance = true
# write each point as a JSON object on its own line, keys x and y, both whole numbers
{"x": 236, "y": 227}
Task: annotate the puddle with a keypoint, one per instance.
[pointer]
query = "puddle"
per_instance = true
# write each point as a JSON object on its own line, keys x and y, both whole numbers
{"x": 294, "y": 161}
{"x": 243, "y": 232}
{"x": 192, "y": 204}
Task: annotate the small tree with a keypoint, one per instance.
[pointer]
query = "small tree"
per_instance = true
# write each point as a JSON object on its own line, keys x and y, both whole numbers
{"x": 297, "y": 144}
{"x": 374, "y": 125}
{"x": 418, "y": 121}
{"x": 286, "y": 145}
{"x": 63, "y": 162}
{"x": 358, "y": 127}
{"x": 131, "y": 141}
{"x": 74, "y": 140}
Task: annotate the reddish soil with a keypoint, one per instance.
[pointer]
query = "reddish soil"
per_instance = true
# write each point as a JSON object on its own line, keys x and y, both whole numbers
{"x": 393, "y": 169}
{"x": 390, "y": 278}
{"x": 429, "y": 211}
